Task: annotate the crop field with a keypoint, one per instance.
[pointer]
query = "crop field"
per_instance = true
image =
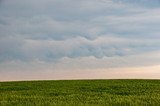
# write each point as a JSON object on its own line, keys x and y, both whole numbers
{"x": 81, "y": 93}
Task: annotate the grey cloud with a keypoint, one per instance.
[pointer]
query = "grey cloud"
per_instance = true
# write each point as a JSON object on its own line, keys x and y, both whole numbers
{"x": 53, "y": 50}
{"x": 141, "y": 3}
{"x": 53, "y": 29}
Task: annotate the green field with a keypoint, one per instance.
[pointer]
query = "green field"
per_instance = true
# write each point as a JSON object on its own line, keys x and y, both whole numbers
{"x": 81, "y": 93}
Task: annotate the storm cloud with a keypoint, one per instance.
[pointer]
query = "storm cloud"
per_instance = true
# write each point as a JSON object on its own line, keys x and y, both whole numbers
{"x": 59, "y": 33}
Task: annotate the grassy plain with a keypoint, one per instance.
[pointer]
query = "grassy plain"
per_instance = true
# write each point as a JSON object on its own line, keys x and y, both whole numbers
{"x": 81, "y": 93}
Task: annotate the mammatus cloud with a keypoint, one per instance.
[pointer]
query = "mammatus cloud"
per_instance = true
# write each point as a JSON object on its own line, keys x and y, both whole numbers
{"x": 72, "y": 34}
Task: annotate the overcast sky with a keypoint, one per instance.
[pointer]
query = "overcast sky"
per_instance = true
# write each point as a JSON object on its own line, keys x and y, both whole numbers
{"x": 79, "y": 39}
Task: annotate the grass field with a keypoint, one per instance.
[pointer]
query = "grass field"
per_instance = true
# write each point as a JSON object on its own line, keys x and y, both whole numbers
{"x": 81, "y": 93}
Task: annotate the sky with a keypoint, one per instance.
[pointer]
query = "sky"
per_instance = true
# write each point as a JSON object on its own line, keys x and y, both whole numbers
{"x": 79, "y": 39}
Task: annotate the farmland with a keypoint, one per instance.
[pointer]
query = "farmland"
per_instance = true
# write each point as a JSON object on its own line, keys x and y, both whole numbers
{"x": 80, "y": 93}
